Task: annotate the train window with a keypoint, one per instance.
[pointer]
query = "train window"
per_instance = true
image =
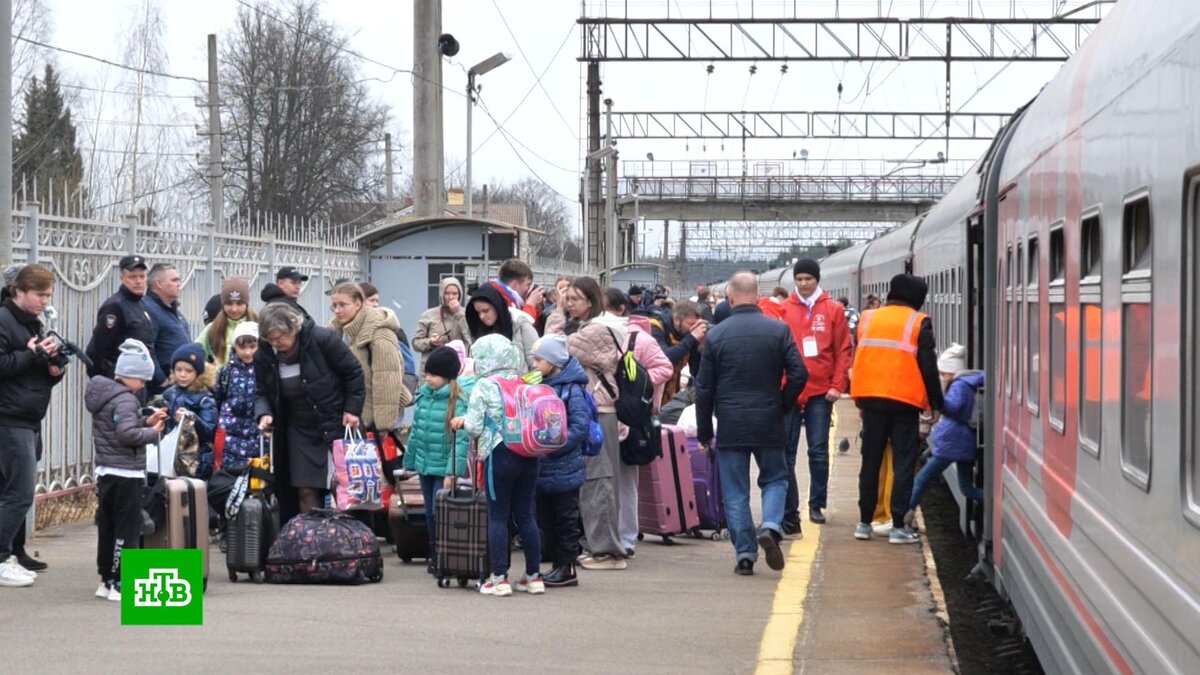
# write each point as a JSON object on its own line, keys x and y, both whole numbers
{"x": 1033, "y": 380}
{"x": 1018, "y": 305}
{"x": 1010, "y": 276}
{"x": 1137, "y": 335}
{"x": 1092, "y": 254}
{"x": 1089, "y": 408}
{"x": 1058, "y": 327}
{"x": 1191, "y": 383}
{"x": 1136, "y": 228}
{"x": 1057, "y": 254}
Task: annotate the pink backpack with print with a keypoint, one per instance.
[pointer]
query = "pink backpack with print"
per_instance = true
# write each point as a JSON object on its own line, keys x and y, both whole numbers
{"x": 535, "y": 419}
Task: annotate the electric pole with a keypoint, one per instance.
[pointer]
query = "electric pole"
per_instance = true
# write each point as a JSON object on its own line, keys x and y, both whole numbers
{"x": 387, "y": 163}
{"x": 428, "y": 181}
{"x": 216, "y": 168}
{"x": 6, "y": 125}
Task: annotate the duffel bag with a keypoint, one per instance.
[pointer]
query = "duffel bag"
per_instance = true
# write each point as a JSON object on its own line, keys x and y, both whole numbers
{"x": 324, "y": 547}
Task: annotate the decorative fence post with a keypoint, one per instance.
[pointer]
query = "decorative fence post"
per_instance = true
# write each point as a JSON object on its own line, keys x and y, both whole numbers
{"x": 31, "y": 229}
{"x": 131, "y": 226}
{"x": 272, "y": 255}
{"x": 210, "y": 254}
{"x": 321, "y": 276}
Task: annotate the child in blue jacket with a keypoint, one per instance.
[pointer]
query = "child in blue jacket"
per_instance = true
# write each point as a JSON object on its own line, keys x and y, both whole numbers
{"x": 435, "y": 451}
{"x": 953, "y": 439}
{"x": 192, "y": 391}
{"x": 562, "y": 474}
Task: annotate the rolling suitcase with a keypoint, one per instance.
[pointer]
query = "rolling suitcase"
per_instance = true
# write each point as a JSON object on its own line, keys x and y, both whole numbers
{"x": 707, "y": 482}
{"x": 666, "y": 494}
{"x": 462, "y": 537}
{"x": 255, "y": 524}
{"x": 406, "y": 519}
{"x": 185, "y": 515}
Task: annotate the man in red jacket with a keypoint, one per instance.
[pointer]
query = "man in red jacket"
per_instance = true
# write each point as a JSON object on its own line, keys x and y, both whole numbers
{"x": 818, "y": 325}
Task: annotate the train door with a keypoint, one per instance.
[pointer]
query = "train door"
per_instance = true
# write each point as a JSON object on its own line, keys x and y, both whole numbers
{"x": 973, "y": 301}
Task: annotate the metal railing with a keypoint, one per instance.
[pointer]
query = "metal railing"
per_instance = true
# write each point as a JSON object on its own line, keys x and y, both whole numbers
{"x": 892, "y": 189}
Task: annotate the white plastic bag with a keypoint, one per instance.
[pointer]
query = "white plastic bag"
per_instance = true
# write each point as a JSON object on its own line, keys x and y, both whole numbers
{"x": 687, "y": 421}
{"x": 165, "y": 453}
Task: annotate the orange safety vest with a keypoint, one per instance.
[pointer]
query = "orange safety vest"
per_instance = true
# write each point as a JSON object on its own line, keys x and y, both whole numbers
{"x": 885, "y": 361}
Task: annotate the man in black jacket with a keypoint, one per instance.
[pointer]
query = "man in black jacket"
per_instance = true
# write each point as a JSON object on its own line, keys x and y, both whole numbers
{"x": 286, "y": 289}
{"x": 122, "y": 316}
{"x": 680, "y": 333}
{"x": 28, "y": 372}
{"x": 745, "y": 359}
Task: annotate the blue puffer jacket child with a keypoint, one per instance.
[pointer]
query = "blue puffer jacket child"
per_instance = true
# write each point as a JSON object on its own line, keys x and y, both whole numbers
{"x": 564, "y": 470}
{"x": 952, "y": 437}
{"x": 431, "y": 451}
{"x": 198, "y": 398}
{"x": 235, "y": 392}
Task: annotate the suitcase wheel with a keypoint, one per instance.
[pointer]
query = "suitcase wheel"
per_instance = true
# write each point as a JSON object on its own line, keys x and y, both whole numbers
{"x": 640, "y": 536}
{"x": 443, "y": 583}
{"x": 720, "y": 534}
{"x": 696, "y": 533}
{"x": 462, "y": 582}
{"x": 232, "y": 576}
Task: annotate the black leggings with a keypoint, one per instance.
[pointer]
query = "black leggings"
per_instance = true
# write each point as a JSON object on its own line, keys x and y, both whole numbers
{"x": 878, "y": 427}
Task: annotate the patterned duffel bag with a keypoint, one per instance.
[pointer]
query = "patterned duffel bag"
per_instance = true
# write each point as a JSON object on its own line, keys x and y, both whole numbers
{"x": 324, "y": 547}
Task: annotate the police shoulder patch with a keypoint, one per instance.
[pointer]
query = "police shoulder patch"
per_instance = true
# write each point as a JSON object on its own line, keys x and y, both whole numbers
{"x": 110, "y": 320}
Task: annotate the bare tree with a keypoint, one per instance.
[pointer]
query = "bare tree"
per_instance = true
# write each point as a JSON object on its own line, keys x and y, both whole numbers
{"x": 30, "y": 20}
{"x": 303, "y": 132}
{"x": 545, "y": 210}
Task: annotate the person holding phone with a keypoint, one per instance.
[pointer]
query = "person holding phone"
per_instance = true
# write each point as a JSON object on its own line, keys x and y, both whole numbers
{"x": 440, "y": 325}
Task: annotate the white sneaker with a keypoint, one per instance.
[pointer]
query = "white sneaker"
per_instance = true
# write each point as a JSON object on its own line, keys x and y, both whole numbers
{"x": 114, "y": 594}
{"x": 12, "y": 560}
{"x": 882, "y": 529}
{"x": 103, "y": 591}
{"x": 13, "y": 575}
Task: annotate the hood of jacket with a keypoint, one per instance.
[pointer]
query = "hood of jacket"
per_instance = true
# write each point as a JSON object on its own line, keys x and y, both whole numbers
{"x": 504, "y": 318}
{"x": 273, "y": 293}
{"x": 640, "y": 322}
{"x": 496, "y": 355}
{"x": 972, "y": 377}
{"x": 447, "y": 283}
{"x": 100, "y": 391}
{"x": 572, "y": 373}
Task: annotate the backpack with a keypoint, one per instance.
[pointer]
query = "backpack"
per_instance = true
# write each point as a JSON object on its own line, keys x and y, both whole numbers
{"x": 593, "y": 444}
{"x": 410, "y": 370}
{"x": 535, "y": 419}
{"x": 635, "y": 407}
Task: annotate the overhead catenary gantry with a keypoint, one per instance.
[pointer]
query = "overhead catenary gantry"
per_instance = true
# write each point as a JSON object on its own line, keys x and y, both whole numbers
{"x": 618, "y": 36}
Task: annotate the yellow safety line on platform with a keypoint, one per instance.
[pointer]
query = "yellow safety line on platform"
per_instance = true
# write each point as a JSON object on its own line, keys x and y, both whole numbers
{"x": 777, "y": 649}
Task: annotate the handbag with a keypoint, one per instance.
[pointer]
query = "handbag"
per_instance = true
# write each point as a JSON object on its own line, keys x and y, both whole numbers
{"x": 358, "y": 473}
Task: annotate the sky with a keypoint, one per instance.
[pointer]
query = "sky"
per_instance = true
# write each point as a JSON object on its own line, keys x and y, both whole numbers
{"x": 544, "y": 121}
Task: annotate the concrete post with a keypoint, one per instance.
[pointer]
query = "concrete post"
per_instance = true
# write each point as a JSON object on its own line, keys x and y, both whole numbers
{"x": 428, "y": 181}
{"x": 31, "y": 230}
{"x": 131, "y": 226}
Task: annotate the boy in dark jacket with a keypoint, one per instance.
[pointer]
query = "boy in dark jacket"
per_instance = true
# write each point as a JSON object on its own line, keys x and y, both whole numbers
{"x": 561, "y": 474}
{"x": 121, "y": 434}
{"x": 191, "y": 391}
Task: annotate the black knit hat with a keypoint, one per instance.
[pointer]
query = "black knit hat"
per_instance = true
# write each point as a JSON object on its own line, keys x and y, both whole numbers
{"x": 212, "y": 308}
{"x": 443, "y": 362}
{"x": 807, "y": 266}
{"x": 909, "y": 289}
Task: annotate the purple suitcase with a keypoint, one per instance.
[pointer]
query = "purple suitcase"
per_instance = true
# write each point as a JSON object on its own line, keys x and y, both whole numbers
{"x": 706, "y": 479}
{"x": 666, "y": 494}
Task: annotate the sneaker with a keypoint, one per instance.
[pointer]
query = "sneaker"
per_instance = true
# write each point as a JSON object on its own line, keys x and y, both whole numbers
{"x": 603, "y": 561}
{"x": 862, "y": 531}
{"x": 114, "y": 593}
{"x": 882, "y": 529}
{"x": 13, "y": 575}
{"x": 103, "y": 590}
{"x": 21, "y": 569}
{"x": 561, "y": 576}
{"x": 532, "y": 585}
{"x": 817, "y": 516}
{"x": 745, "y": 568}
{"x": 909, "y": 517}
{"x": 769, "y": 541}
{"x": 630, "y": 553}
{"x": 497, "y": 586}
{"x": 30, "y": 563}
{"x": 789, "y": 528}
{"x": 903, "y": 536}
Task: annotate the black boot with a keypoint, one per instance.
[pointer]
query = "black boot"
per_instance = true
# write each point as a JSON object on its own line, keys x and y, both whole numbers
{"x": 30, "y": 563}
{"x": 562, "y": 576}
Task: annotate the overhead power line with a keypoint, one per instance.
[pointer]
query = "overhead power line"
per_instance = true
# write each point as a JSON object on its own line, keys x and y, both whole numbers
{"x": 529, "y": 63}
{"x": 504, "y": 134}
{"x": 122, "y": 66}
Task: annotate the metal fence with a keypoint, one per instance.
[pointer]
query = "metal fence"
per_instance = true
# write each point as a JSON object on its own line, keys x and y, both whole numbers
{"x": 83, "y": 255}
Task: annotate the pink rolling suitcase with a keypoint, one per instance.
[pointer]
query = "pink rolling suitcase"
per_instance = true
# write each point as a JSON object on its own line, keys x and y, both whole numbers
{"x": 707, "y": 482}
{"x": 666, "y": 494}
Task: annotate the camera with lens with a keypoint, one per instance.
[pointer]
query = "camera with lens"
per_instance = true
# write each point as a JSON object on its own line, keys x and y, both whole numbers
{"x": 66, "y": 349}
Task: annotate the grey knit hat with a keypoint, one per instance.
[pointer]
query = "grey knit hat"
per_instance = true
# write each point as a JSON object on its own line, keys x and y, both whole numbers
{"x": 134, "y": 361}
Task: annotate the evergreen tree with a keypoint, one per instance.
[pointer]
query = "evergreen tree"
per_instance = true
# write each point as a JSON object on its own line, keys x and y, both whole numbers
{"x": 44, "y": 150}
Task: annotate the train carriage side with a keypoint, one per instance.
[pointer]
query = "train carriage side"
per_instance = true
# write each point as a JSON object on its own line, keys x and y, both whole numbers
{"x": 840, "y": 273}
{"x": 887, "y": 256}
{"x": 1096, "y": 525}
{"x": 780, "y": 276}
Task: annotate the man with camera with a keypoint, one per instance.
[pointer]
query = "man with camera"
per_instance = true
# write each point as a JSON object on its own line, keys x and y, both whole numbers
{"x": 31, "y": 364}
{"x": 122, "y": 316}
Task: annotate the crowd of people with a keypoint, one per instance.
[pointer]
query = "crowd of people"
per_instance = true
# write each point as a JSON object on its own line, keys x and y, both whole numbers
{"x": 764, "y": 369}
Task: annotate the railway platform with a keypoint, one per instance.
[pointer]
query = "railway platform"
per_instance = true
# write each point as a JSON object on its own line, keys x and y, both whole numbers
{"x": 840, "y": 606}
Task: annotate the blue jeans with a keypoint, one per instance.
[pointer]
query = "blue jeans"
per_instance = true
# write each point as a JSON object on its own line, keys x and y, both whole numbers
{"x": 934, "y": 468}
{"x": 18, "y": 473}
{"x": 429, "y": 489}
{"x": 511, "y": 484}
{"x": 735, "y": 487}
{"x": 815, "y": 419}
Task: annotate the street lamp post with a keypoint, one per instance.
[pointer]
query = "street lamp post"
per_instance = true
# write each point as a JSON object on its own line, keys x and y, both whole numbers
{"x": 494, "y": 61}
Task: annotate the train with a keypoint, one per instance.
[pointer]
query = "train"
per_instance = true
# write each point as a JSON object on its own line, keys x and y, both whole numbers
{"x": 1067, "y": 261}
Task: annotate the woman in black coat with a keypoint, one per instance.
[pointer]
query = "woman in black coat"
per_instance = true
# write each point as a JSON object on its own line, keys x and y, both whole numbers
{"x": 310, "y": 387}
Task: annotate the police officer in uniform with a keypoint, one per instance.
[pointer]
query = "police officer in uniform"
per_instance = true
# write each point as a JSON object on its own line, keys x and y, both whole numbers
{"x": 122, "y": 316}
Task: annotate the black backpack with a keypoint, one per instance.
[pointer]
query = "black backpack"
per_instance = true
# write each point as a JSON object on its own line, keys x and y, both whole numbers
{"x": 635, "y": 407}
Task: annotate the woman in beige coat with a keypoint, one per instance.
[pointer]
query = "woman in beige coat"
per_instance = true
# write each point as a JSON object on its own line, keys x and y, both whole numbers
{"x": 371, "y": 336}
{"x": 442, "y": 324}
{"x": 597, "y": 345}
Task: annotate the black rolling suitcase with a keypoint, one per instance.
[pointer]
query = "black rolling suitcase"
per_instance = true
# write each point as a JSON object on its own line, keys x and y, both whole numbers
{"x": 406, "y": 519}
{"x": 462, "y": 537}
{"x": 254, "y": 522}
